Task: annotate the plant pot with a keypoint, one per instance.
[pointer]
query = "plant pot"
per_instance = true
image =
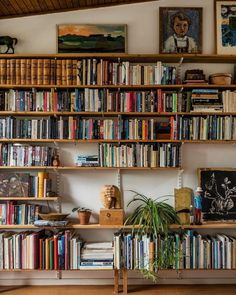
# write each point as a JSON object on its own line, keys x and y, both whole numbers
{"x": 84, "y": 217}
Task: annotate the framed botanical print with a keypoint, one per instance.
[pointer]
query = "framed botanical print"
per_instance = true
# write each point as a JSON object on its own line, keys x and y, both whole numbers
{"x": 225, "y": 26}
{"x": 180, "y": 29}
{"x": 91, "y": 38}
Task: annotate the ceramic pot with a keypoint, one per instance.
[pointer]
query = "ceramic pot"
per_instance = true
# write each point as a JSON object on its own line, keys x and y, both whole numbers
{"x": 84, "y": 217}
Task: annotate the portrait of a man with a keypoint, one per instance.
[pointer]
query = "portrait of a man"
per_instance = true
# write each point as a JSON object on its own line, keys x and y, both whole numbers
{"x": 180, "y": 30}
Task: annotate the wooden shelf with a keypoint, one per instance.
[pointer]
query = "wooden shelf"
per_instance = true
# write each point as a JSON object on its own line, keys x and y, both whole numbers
{"x": 90, "y": 140}
{"x": 119, "y": 87}
{"x": 86, "y": 168}
{"x": 114, "y": 114}
{"x": 120, "y": 168}
{"x": 123, "y": 227}
{"x": 171, "y": 58}
{"x": 54, "y": 199}
{"x": 25, "y": 140}
{"x": 208, "y": 225}
{"x": 69, "y": 226}
{"x": 28, "y": 168}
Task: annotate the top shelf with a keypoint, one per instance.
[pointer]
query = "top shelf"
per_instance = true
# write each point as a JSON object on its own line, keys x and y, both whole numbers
{"x": 174, "y": 58}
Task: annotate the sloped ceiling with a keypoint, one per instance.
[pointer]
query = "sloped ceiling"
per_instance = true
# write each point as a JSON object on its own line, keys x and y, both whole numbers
{"x": 18, "y": 8}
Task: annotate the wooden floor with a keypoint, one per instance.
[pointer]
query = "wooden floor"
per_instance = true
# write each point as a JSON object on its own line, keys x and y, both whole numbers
{"x": 107, "y": 290}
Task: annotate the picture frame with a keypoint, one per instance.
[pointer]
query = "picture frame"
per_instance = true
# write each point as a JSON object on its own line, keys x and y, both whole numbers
{"x": 91, "y": 38}
{"x": 180, "y": 30}
{"x": 225, "y": 26}
{"x": 219, "y": 193}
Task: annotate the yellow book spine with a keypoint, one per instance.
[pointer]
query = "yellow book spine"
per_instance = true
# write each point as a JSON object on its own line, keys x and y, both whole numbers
{"x": 41, "y": 177}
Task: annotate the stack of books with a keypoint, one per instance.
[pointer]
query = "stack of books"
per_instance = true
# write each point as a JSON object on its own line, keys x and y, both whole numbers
{"x": 87, "y": 161}
{"x": 97, "y": 256}
{"x": 206, "y": 100}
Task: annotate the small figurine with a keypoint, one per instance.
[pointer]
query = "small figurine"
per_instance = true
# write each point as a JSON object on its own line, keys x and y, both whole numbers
{"x": 198, "y": 206}
{"x": 111, "y": 197}
{"x": 55, "y": 161}
{"x": 9, "y": 42}
{"x": 191, "y": 215}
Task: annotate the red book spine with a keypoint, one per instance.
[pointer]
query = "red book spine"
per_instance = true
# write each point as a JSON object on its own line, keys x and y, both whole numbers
{"x": 55, "y": 252}
{"x": 40, "y": 253}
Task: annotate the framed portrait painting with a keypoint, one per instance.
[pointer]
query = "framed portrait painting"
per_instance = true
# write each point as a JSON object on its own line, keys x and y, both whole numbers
{"x": 82, "y": 38}
{"x": 219, "y": 193}
{"x": 225, "y": 27}
{"x": 180, "y": 30}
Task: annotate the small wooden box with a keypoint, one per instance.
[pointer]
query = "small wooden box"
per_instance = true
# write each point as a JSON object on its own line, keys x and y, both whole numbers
{"x": 111, "y": 216}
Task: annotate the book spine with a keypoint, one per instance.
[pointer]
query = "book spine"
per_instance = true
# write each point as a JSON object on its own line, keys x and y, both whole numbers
{"x": 40, "y": 72}
{"x": 23, "y": 71}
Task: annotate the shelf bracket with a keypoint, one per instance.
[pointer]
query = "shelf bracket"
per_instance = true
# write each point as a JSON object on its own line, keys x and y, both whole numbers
{"x": 180, "y": 178}
{"x": 179, "y": 71}
{"x": 59, "y": 275}
{"x": 179, "y": 275}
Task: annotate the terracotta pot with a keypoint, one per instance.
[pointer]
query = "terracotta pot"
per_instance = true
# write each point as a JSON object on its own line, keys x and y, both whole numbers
{"x": 84, "y": 217}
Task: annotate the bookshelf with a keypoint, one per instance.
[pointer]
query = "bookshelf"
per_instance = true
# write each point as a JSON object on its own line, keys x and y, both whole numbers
{"x": 116, "y": 60}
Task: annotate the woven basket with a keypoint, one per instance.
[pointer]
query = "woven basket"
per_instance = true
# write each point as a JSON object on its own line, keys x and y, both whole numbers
{"x": 53, "y": 216}
{"x": 220, "y": 79}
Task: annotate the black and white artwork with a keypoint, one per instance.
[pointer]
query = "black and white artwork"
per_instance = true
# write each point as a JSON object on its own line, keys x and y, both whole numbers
{"x": 219, "y": 193}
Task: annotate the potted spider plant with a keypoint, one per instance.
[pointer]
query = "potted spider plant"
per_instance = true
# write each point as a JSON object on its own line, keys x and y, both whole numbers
{"x": 153, "y": 217}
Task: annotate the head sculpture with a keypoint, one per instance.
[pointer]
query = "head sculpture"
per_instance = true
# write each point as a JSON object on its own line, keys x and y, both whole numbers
{"x": 111, "y": 197}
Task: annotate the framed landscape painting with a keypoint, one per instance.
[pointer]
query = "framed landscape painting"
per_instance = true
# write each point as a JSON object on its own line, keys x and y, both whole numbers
{"x": 219, "y": 193}
{"x": 180, "y": 29}
{"x": 225, "y": 27}
{"x": 84, "y": 38}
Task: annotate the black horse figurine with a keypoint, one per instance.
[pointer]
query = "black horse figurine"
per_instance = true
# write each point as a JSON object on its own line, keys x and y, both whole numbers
{"x": 9, "y": 42}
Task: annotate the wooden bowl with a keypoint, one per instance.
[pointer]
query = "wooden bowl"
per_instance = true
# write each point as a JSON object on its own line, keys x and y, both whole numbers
{"x": 53, "y": 216}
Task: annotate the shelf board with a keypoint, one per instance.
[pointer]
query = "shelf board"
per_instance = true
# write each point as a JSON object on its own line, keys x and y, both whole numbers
{"x": 24, "y": 140}
{"x": 69, "y": 226}
{"x": 55, "y": 199}
{"x": 207, "y": 225}
{"x": 124, "y": 227}
{"x": 111, "y": 114}
{"x": 88, "y": 140}
{"x": 120, "y": 168}
{"x": 28, "y": 167}
{"x": 168, "y": 57}
{"x": 120, "y": 87}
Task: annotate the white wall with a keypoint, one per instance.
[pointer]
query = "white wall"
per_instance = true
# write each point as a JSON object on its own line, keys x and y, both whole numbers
{"x": 37, "y": 34}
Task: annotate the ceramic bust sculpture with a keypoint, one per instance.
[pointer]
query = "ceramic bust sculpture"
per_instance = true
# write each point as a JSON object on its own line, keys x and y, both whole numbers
{"x": 110, "y": 197}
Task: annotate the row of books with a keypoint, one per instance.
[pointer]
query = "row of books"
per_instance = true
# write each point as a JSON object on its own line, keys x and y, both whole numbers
{"x": 139, "y": 155}
{"x": 105, "y": 72}
{"x": 25, "y": 155}
{"x": 187, "y": 251}
{"x": 89, "y": 100}
{"x": 26, "y": 71}
{"x": 36, "y": 250}
{"x": 76, "y": 128}
{"x": 52, "y": 251}
{"x": 18, "y": 184}
{"x": 229, "y": 101}
{"x": 88, "y": 71}
{"x": 105, "y": 100}
{"x": 65, "y": 250}
{"x": 204, "y": 128}
{"x": 12, "y": 213}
